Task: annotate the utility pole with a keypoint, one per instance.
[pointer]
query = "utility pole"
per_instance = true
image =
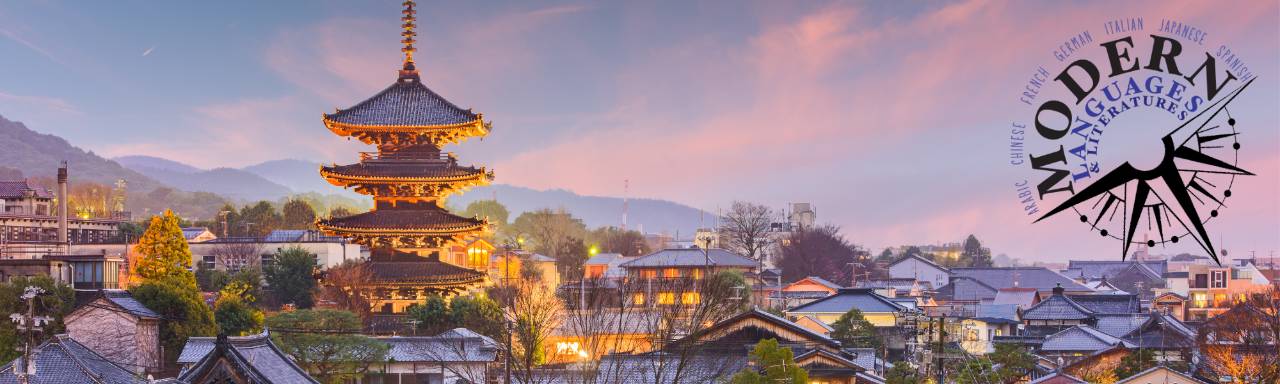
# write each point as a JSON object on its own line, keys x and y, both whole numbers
{"x": 937, "y": 355}
{"x": 30, "y": 324}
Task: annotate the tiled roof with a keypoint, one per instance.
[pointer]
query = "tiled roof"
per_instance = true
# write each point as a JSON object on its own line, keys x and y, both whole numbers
{"x": 1057, "y": 307}
{"x": 1002, "y": 311}
{"x": 863, "y": 357}
{"x": 17, "y": 189}
{"x": 1058, "y": 378}
{"x": 407, "y": 102}
{"x": 1142, "y": 377}
{"x": 1120, "y": 325}
{"x": 405, "y": 169}
{"x": 411, "y": 220}
{"x": 1081, "y": 338}
{"x": 1094, "y": 269}
{"x": 1029, "y": 277}
{"x": 603, "y": 259}
{"x": 125, "y": 300}
{"x": 1109, "y": 303}
{"x": 63, "y": 360}
{"x": 775, "y": 320}
{"x": 964, "y": 288}
{"x": 921, "y": 259}
{"x": 690, "y": 257}
{"x": 653, "y": 368}
{"x": 458, "y": 345}
{"x": 422, "y": 271}
{"x": 1022, "y": 297}
{"x": 285, "y": 235}
{"x": 864, "y": 299}
{"x": 820, "y": 281}
{"x": 256, "y": 355}
{"x": 192, "y": 232}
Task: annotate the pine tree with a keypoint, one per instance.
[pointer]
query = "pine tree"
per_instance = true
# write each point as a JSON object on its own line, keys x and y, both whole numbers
{"x": 298, "y": 214}
{"x": 854, "y": 330}
{"x": 165, "y": 255}
{"x": 777, "y": 363}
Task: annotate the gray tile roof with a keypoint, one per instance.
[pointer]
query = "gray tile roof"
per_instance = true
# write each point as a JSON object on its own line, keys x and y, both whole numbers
{"x": 920, "y": 258}
{"x": 404, "y": 103}
{"x": 655, "y": 368}
{"x": 690, "y": 257}
{"x": 457, "y": 345}
{"x": 16, "y": 189}
{"x": 1081, "y": 338}
{"x": 1119, "y": 325}
{"x": 1057, "y": 307}
{"x": 1001, "y": 311}
{"x": 864, "y": 299}
{"x": 1022, "y": 297}
{"x": 257, "y": 352}
{"x": 63, "y": 360}
{"x": 1094, "y": 269}
{"x": 126, "y": 301}
{"x": 823, "y": 282}
{"x": 1109, "y": 303}
{"x": 964, "y": 288}
{"x": 1029, "y": 277}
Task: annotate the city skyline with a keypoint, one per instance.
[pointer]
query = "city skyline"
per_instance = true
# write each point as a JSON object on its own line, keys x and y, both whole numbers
{"x": 864, "y": 109}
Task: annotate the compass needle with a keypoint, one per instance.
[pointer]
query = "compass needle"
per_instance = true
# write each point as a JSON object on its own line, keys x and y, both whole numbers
{"x": 1193, "y": 224}
{"x": 1186, "y": 153}
{"x": 1139, "y": 203}
{"x": 1117, "y": 177}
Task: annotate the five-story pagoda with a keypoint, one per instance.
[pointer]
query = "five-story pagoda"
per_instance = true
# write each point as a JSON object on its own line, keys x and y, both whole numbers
{"x": 408, "y": 230}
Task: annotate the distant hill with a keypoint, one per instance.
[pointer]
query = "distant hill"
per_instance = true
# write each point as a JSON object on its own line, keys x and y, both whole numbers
{"x": 38, "y": 155}
{"x": 229, "y": 182}
{"x": 299, "y": 175}
{"x": 653, "y": 215}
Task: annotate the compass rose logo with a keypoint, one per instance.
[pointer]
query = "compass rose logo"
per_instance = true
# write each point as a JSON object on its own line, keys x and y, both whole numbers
{"x": 1170, "y": 202}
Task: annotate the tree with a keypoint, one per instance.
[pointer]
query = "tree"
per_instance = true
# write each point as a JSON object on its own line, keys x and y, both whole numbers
{"x": 57, "y": 301}
{"x": 901, "y": 373}
{"x": 616, "y": 240}
{"x": 554, "y": 233}
{"x": 298, "y": 214}
{"x": 495, "y": 212}
{"x": 745, "y": 229}
{"x": 1014, "y": 361}
{"x": 235, "y": 255}
{"x": 339, "y": 212}
{"x": 432, "y": 315}
{"x": 235, "y": 317}
{"x": 779, "y": 366}
{"x": 348, "y": 286}
{"x": 291, "y": 276}
{"x": 974, "y": 254}
{"x": 822, "y": 252}
{"x": 165, "y": 255}
{"x": 885, "y": 256}
{"x": 477, "y": 313}
{"x": 183, "y": 309}
{"x": 974, "y": 371}
{"x": 1136, "y": 361}
{"x": 211, "y": 280}
{"x": 853, "y": 330}
{"x": 327, "y": 343}
{"x": 537, "y": 313}
{"x": 1244, "y": 342}
{"x": 257, "y": 220}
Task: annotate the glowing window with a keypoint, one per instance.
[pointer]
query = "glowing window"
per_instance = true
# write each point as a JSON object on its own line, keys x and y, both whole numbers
{"x": 697, "y": 273}
{"x": 666, "y": 298}
{"x": 690, "y": 298}
{"x": 637, "y": 299}
{"x": 671, "y": 272}
{"x": 649, "y": 273}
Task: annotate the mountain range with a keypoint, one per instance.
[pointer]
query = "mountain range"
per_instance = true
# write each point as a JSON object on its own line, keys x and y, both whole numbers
{"x": 157, "y": 183}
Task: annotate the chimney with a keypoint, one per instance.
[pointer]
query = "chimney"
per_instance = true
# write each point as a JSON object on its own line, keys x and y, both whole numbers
{"x": 1057, "y": 291}
{"x": 62, "y": 204}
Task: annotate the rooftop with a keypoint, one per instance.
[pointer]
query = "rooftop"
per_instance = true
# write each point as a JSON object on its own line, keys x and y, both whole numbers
{"x": 257, "y": 354}
{"x": 864, "y": 299}
{"x": 690, "y": 257}
{"x": 63, "y": 360}
{"x": 456, "y": 345}
{"x": 1081, "y": 338}
{"x": 19, "y": 189}
{"x": 126, "y": 301}
{"x": 1099, "y": 268}
{"x": 395, "y": 221}
{"x": 406, "y": 103}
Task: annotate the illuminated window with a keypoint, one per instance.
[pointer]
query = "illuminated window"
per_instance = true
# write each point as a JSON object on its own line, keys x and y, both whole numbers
{"x": 691, "y": 298}
{"x": 567, "y": 348}
{"x": 637, "y": 299}
{"x": 666, "y": 298}
{"x": 697, "y": 273}
{"x": 1200, "y": 300}
{"x": 649, "y": 273}
{"x": 671, "y": 272}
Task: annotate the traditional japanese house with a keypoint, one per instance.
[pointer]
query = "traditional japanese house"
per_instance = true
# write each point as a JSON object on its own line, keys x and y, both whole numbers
{"x": 410, "y": 234}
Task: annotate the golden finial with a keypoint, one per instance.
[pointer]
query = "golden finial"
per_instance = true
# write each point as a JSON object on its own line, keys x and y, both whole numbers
{"x": 408, "y": 40}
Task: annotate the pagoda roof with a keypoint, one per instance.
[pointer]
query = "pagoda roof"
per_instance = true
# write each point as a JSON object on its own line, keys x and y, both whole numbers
{"x": 421, "y": 271}
{"x": 407, "y": 103}
{"x": 402, "y": 172}
{"x": 403, "y": 221}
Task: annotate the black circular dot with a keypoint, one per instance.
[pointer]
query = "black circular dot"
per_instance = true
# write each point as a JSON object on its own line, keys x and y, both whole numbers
{"x": 1213, "y": 213}
{"x": 1104, "y": 232}
{"x": 1226, "y": 193}
{"x": 1151, "y": 243}
{"x": 1084, "y": 219}
{"x": 1236, "y": 145}
{"x": 1231, "y": 122}
{"x": 1173, "y": 239}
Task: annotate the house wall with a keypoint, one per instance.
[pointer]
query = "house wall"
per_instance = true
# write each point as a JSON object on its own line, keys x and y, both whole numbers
{"x": 920, "y": 271}
{"x": 120, "y": 337}
{"x": 807, "y": 286}
{"x": 417, "y": 372}
{"x": 879, "y": 319}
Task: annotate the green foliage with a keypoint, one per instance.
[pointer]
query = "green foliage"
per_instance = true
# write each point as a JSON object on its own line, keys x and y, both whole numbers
{"x": 553, "y": 233}
{"x": 211, "y": 280}
{"x": 327, "y": 343}
{"x": 182, "y": 307}
{"x": 1136, "y": 361}
{"x": 616, "y": 240}
{"x": 477, "y": 313}
{"x": 298, "y": 214}
{"x": 974, "y": 371}
{"x": 854, "y": 331}
{"x": 974, "y": 254}
{"x": 778, "y": 363}
{"x": 902, "y": 373}
{"x": 1014, "y": 360}
{"x": 57, "y": 301}
{"x": 165, "y": 255}
{"x": 491, "y": 209}
{"x": 291, "y": 276}
{"x": 130, "y": 231}
{"x": 885, "y": 256}
{"x": 235, "y": 316}
{"x": 326, "y": 204}
{"x": 257, "y": 220}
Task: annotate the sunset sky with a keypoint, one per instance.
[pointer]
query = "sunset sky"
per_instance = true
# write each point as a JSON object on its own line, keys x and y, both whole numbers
{"x": 891, "y": 118}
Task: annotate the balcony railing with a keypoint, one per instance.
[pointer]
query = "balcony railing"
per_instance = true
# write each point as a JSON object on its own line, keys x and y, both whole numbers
{"x": 446, "y": 157}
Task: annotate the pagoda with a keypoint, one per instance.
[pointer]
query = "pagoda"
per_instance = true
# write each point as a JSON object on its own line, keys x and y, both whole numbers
{"x": 410, "y": 235}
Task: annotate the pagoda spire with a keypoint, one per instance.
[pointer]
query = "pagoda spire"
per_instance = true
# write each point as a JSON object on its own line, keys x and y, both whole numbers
{"x": 408, "y": 34}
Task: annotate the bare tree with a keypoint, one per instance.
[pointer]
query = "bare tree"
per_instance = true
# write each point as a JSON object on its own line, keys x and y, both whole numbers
{"x": 677, "y": 322}
{"x": 235, "y": 255}
{"x": 535, "y": 313}
{"x": 348, "y": 286}
{"x": 1244, "y": 342}
{"x": 823, "y": 252}
{"x": 745, "y": 229}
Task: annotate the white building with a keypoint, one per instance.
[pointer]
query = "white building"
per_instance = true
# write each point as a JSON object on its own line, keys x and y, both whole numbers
{"x": 920, "y": 269}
